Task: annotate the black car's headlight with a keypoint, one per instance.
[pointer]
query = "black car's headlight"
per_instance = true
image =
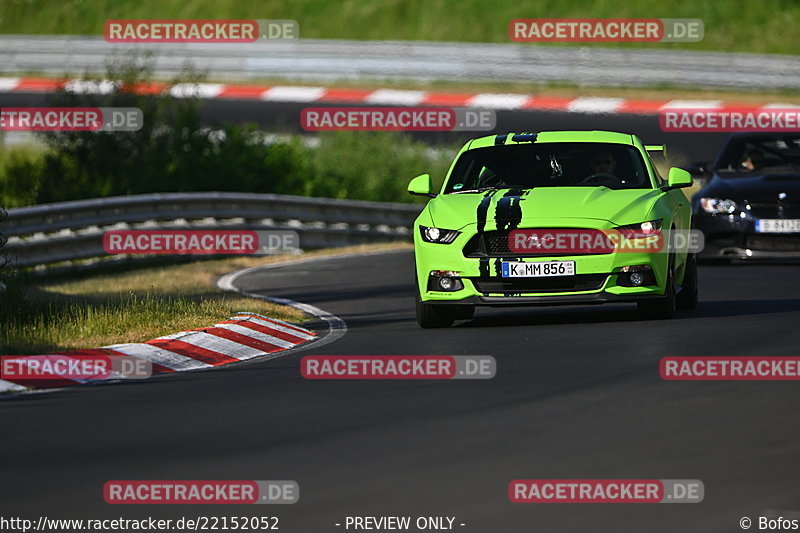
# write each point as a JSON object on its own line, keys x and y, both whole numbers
{"x": 718, "y": 205}
{"x": 438, "y": 235}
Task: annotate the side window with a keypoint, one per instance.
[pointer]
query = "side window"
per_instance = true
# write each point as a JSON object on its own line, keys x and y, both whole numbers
{"x": 659, "y": 180}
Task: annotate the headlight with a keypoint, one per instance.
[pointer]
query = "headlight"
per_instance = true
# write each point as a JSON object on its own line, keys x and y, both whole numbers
{"x": 643, "y": 229}
{"x": 438, "y": 235}
{"x": 718, "y": 205}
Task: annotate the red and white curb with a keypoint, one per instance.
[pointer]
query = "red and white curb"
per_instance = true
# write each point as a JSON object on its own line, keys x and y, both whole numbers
{"x": 389, "y": 97}
{"x": 337, "y": 327}
{"x": 244, "y": 336}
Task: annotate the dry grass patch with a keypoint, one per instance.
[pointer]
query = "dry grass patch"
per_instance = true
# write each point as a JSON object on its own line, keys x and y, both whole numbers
{"x": 134, "y": 305}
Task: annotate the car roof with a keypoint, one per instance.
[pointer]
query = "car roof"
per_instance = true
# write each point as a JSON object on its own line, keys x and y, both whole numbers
{"x": 553, "y": 137}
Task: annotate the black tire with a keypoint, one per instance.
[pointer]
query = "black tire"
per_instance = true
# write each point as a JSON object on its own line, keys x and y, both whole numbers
{"x": 688, "y": 297}
{"x": 435, "y": 316}
{"x": 662, "y": 308}
{"x": 465, "y": 312}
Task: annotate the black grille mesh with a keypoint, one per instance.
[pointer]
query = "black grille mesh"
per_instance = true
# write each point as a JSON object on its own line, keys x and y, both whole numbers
{"x": 495, "y": 244}
{"x": 771, "y": 210}
{"x": 579, "y": 282}
{"x": 773, "y": 243}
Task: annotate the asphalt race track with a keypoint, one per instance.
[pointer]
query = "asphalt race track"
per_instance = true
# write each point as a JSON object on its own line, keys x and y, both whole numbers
{"x": 577, "y": 395}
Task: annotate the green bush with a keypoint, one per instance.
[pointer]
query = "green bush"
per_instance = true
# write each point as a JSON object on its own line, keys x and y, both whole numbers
{"x": 21, "y": 171}
{"x": 174, "y": 152}
{"x": 370, "y": 166}
{"x": 763, "y": 26}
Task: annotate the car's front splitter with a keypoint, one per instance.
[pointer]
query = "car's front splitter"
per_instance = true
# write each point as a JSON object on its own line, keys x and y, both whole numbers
{"x": 571, "y": 299}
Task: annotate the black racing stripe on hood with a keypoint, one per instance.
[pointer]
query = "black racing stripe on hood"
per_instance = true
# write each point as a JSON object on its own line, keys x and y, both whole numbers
{"x": 508, "y": 212}
{"x": 500, "y": 139}
{"x": 525, "y": 137}
{"x": 480, "y": 219}
{"x": 508, "y": 215}
{"x": 483, "y": 209}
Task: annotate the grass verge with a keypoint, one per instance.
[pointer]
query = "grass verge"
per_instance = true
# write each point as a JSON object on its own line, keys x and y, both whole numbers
{"x": 766, "y": 26}
{"x": 90, "y": 309}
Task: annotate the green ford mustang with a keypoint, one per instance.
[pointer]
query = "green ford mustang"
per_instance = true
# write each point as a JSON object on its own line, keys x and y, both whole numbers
{"x": 563, "y": 217}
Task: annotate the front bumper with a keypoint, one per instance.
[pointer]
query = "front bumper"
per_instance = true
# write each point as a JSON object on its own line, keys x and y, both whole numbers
{"x": 598, "y": 277}
{"x": 721, "y": 250}
{"x": 734, "y": 237}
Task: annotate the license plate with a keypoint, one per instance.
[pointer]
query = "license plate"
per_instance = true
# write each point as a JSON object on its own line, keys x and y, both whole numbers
{"x": 778, "y": 225}
{"x": 541, "y": 269}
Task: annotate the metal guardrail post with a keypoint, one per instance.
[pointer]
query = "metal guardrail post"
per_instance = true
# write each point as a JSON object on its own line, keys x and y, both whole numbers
{"x": 322, "y": 59}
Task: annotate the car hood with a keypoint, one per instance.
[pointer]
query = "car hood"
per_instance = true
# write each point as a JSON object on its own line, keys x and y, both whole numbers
{"x": 505, "y": 208}
{"x": 759, "y": 188}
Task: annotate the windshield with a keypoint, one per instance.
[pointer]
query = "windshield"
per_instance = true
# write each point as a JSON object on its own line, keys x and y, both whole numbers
{"x": 746, "y": 155}
{"x": 526, "y": 166}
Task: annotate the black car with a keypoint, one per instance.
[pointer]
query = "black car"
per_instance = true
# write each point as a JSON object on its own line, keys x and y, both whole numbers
{"x": 750, "y": 206}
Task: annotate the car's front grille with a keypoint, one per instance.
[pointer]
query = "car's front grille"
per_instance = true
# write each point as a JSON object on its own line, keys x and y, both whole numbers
{"x": 773, "y": 210}
{"x": 579, "y": 282}
{"x": 773, "y": 243}
{"x": 495, "y": 244}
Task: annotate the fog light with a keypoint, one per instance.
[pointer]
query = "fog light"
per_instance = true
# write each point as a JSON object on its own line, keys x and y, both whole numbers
{"x": 636, "y": 276}
{"x": 445, "y": 280}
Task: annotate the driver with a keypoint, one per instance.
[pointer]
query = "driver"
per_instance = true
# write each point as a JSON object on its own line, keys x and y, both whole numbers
{"x": 753, "y": 160}
{"x": 603, "y": 163}
{"x": 603, "y": 166}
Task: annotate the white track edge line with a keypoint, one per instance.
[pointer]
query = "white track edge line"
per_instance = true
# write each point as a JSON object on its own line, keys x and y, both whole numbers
{"x": 337, "y": 327}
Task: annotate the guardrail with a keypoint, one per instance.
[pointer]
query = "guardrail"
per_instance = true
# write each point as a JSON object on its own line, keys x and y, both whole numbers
{"x": 325, "y": 60}
{"x": 71, "y": 231}
{"x": 3, "y": 240}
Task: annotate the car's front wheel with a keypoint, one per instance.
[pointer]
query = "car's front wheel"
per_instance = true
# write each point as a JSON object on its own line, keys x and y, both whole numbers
{"x": 688, "y": 297}
{"x": 465, "y": 312}
{"x": 435, "y": 316}
{"x": 662, "y": 307}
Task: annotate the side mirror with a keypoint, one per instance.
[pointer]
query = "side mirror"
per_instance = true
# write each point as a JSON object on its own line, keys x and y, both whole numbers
{"x": 421, "y": 186}
{"x": 679, "y": 178}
